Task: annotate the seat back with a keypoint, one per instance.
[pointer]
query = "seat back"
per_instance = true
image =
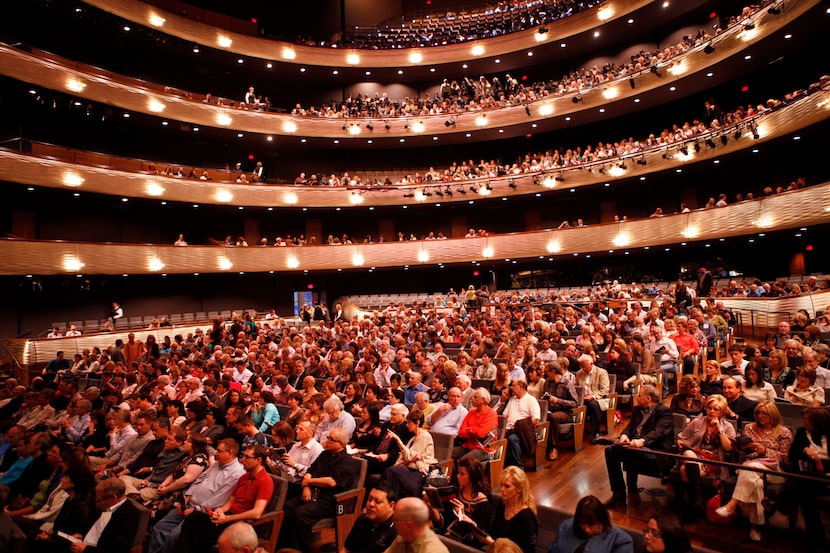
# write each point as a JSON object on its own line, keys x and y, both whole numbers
{"x": 268, "y": 525}
{"x": 140, "y": 527}
{"x": 543, "y": 410}
{"x": 501, "y": 427}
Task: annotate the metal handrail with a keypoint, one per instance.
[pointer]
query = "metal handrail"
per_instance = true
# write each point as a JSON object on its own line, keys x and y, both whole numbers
{"x": 15, "y": 363}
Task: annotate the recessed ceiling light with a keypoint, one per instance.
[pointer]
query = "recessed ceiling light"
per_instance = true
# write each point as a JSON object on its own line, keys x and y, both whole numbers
{"x": 630, "y": 21}
{"x": 302, "y": 69}
{"x": 636, "y": 100}
{"x": 672, "y": 88}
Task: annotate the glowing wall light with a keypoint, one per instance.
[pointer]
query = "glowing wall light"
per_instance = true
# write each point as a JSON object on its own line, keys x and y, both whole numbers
{"x": 477, "y": 50}
{"x": 292, "y": 261}
{"x": 546, "y": 109}
{"x": 622, "y": 239}
{"x": 692, "y": 231}
{"x": 356, "y": 198}
{"x": 72, "y": 179}
{"x": 554, "y": 246}
{"x": 224, "y": 196}
{"x": 288, "y": 54}
{"x": 487, "y": 252}
{"x": 72, "y": 264}
{"x": 415, "y": 57}
{"x": 156, "y": 20}
{"x": 549, "y": 182}
{"x": 481, "y": 121}
{"x": 353, "y": 59}
{"x": 224, "y": 120}
{"x": 290, "y": 198}
{"x": 154, "y": 189}
{"x": 606, "y": 13}
{"x": 155, "y": 264}
{"x": 224, "y": 41}
{"x": 224, "y": 263}
{"x": 155, "y": 106}
{"x": 75, "y": 85}
{"x": 358, "y": 260}
{"x": 418, "y": 127}
{"x": 423, "y": 256}
{"x": 289, "y": 126}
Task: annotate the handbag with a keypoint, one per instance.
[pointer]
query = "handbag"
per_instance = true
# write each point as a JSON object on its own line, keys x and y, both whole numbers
{"x": 716, "y": 502}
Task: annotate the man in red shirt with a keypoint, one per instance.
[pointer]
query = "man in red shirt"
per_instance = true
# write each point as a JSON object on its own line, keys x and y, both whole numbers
{"x": 248, "y": 501}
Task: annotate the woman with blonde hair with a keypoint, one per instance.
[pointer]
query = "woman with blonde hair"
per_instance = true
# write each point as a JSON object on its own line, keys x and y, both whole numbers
{"x": 768, "y": 449}
{"x": 712, "y": 383}
{"x": 779, "y": 372}
{"x": 707, "y": 437}
{"x": 514, "y": 517}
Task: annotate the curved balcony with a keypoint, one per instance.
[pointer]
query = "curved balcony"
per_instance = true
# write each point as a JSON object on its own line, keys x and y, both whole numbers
{"x": 71, "y": 173}
{"x": 809, "y": 206}
{"x": 684, "y": 75}
{"x": 276, "y": 51}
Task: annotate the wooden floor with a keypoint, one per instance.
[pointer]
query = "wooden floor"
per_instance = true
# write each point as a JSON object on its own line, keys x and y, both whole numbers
{"x": 562, "y": 483}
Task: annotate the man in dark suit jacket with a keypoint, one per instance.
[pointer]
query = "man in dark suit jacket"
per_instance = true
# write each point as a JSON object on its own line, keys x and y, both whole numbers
{"x": 651, "y": 428}
{"x": 117, "y": 534}
{"x": 704, "y": 283}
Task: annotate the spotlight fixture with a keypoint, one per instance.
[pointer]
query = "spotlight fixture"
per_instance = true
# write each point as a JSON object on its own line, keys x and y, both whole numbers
{"x": 738, "y": 134}
{"x": 656, "y": 70}
{"x": 724, "y": 139}
{"x": 438, "y": 192}
{"x": 410, "y": 195}
{"x": 602, "y": 170}
{"x": 461, "y": 190}
{"x": 560, "y": 177}
{"x": 426, "y": 192}
{"x": 697, "y": 147}
{"x": 344, "y": 127}
{"x": 774, "y": 11}
{"x": 642, "y": 161}
{"x": 474, "y": 189}
{"x": 749, "y": 26}
{"x": 576, "y": 99}
{"x": 708, "y": 49}
{"x": 684, "y": 150}
{"x": 387, "y": 126}
{"x": 406, "y": 127}
{"x": 622, "y": 165}
{"x": 527, "y": 110}
{"x": 511, "y": 184}
{"x": 631, "y": 82}
{"x": 754, "y": 130}
{"x": 448, "y": 191}
{"x": 542, "y": 30}
{"x": 711, "y": 143}
{"x": 370, "y": 126}
{"x": 449, "y": 123}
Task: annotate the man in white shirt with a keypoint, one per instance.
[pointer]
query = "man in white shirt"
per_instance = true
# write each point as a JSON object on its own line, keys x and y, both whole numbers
{"x": 667, "y": 349}
{"x": 294, "y": 464}
{"x": 115, "y": 529}
{"x": 521, "y": 406}
{"x": 811, "y": 359}
{"x": 545, "y": 352}
{"x": 335, "y": 417}
{"x": 447, "y": 417}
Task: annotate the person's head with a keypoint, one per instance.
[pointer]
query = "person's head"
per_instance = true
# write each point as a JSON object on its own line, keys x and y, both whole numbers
{"x": 398, "y": 413}
{"x": 810, "y": 358}
{"x": 784, "y": 328}
{"x": 503, "y": 545}
{"x": 716, "y": 406}
{"x": 648, "y": 396}
{"x": 336, "y": 441}
{"x": 806, "y": 376}
{"x": 414, "y": 420}
{"x": 411, "y": 518}
{"x": 664, "y": 534}
{"x": 380, "y": 505}
{"x": 239, "y": 537}
{"x": 767, "y": 415}
{"x": 175, "y": 438}
{"x": 333, "y": 407}
{"x": 754, "y": 375}
{"x": 777, "y": 360}
{"x": 586, "y": 363}
{"x": 109, "y": 492}
{"x": 470, "y": 472}
{"x": 792, "y": 348}
{"x": 371, "y": 414}
{"x": 690, "y": 385}
{"x": 591, "y": 518}
{"x": 731, "y": 388}
{"x": 305, "y": 431}
{"x": 516, "y": 487}
{"x": 519, "y": 388}
{"x": 226, "y": 451}
{"x": 254, "y": 458}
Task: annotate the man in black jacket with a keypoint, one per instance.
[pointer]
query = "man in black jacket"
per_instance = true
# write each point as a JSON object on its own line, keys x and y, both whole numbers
{"x": 651, "y": 428}
{"x": 115, "y": 532}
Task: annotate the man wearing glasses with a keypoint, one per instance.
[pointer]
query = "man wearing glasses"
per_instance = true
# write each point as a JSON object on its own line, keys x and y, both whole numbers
{"x": 333, "y": 471}
{"x": 115, "y": 529}
{"x": 248, "y": 501}
{"x": 210, "y": 491}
